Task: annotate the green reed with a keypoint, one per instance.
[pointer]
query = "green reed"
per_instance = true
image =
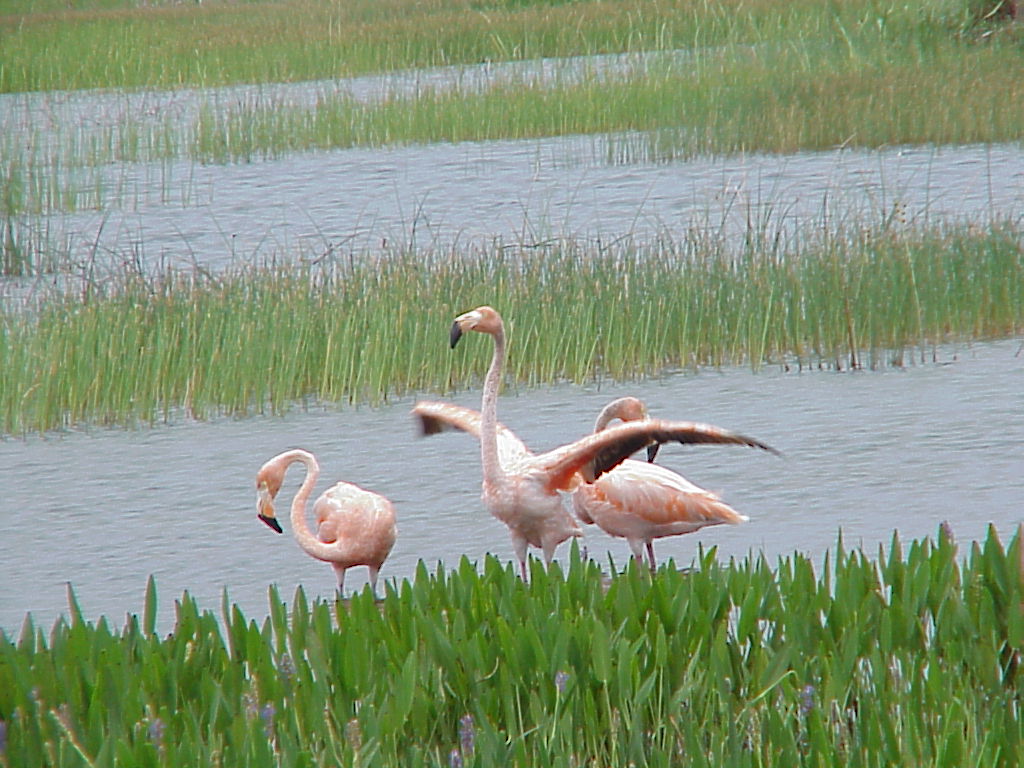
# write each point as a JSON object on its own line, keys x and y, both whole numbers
{"x": 912, "y": 656}
{"x": 100, "y": 44}
{"x": 776, "y": 100}
{"x": 130, "y": 348}
{"x": 759, "y": 76}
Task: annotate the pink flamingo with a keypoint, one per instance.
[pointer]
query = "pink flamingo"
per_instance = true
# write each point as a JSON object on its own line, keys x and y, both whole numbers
{"x": 354, "y": 526}
{"x": 640, "y": 501}
{"x": 521, "y": 488}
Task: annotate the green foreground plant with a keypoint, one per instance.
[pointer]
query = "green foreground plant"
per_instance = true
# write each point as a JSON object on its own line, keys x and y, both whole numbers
{"x": 129, "y": 348}
{"x": 910, "y": 658}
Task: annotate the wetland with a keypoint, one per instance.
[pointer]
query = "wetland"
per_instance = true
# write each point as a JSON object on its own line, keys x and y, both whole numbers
{"x": 246, "y": 227}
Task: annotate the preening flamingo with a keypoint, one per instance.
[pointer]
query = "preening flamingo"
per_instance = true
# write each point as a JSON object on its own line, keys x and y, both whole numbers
{"x": 521, "y": 488}
{"x": 354, "y": 526}
{"x": 640, "y": 501}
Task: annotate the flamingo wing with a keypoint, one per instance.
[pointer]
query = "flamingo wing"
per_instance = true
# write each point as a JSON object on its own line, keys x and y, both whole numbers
{"x": 598, "y": 453}
{"x": 654, "y": 496}
{"x": 435, "y": 417}
{"x": 333, "y": 511}
{"x": 360, "y": 522}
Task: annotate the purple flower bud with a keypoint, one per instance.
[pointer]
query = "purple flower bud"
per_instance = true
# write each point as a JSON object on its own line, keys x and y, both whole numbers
{"x": 561, "y": 679}
{"x": 267, "y": 715}
{"x": 155, "y": 732}
{"x": 467, "y": 735}
{"x": 806, "y": 700}
{"x": 455, "y": 759}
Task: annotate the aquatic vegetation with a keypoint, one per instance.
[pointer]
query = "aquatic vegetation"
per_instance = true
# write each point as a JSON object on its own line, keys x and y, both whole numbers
{"x": 118, "y": 44}
{"x": 912, "y": 656}
{"x": 731, "y": 77}
{"x": 771, "y": 99}
{"x": 128, "y": 347}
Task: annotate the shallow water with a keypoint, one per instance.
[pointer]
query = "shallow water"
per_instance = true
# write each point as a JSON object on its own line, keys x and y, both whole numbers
{"x": 529, "y": 192}
{"x": 595, "y": 188}
{"x": 865, "y": 453}
{"x": 53, "y": 116}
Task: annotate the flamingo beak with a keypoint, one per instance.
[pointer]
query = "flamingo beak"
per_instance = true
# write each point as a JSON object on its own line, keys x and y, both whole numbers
{"x": 456, "y": 333}
{"x": 271, "y": 521}
{"x": 265, "y": 510}
{"x": 652, "y": 452}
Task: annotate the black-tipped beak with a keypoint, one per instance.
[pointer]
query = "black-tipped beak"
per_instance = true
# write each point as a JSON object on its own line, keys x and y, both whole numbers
{"x": 455, "y": 334}
{"x": 271, "y": 521}
{"x": 652, "y": 452}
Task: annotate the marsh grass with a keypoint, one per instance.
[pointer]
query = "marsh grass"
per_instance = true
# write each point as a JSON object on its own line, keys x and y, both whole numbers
{"x": 912, "y": 656}
{"x": 759, "y": 77}
{"x": 129, "y": 347}
{"x": 103, "y": 44}
{"x": 766, "y": 100}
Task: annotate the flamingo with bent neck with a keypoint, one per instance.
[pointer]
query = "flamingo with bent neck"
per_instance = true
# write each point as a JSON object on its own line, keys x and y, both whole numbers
{"x": 640, "y": 501}
{"x": 520, "y": 488}
{"x": 354, "y": 526}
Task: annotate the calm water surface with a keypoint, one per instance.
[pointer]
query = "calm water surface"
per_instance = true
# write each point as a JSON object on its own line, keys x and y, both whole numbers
{"x": 866, "y": 453}
{"x": 54, "y": 116}
{"x": 528, "y": 192}
{"x": 582, "y": 187}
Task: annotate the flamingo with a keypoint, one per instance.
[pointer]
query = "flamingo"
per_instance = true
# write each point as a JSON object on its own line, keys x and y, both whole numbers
{"x": 354, "y": 526}
{"x": 640, "y": 501}
{"x": 521, "y": 488}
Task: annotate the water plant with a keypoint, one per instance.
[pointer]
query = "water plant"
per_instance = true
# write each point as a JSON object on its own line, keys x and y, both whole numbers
{"x": 773, "y": 99}
{"x": 131, "y": 347}
{"x": 100, "y": 43}
{"x": 756, "y": 77}
{"x": 909, "y": 656}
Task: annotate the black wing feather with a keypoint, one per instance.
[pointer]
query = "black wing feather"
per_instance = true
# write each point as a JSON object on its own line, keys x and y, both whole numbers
{"x": 659, "y": 433}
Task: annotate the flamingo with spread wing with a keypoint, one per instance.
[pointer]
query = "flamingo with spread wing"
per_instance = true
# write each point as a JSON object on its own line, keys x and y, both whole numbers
{"x": 640, "y": 501}
{"x": 521, "y": 488}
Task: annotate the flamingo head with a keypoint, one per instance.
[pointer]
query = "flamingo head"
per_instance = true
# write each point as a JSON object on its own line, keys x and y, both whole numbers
{"x": 482, "y": 319}
{"x": 268, "y": 483}
{"x": 626, "y": 409}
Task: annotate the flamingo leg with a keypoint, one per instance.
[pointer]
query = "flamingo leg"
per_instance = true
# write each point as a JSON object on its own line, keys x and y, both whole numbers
{"x": 549, "y": 551}
{"x": 650, "y": 556}
{"x": 519, "y": 545}
{"x": 341, "y": 579}
{"x": 637, "y": 548}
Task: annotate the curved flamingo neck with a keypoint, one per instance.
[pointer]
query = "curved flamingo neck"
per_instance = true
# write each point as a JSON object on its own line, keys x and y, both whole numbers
{"x": 300, "y": 527}
{"x": 608, "y": 413}
{"x": 624, "y": 408}
{"x": 489, "y": 411}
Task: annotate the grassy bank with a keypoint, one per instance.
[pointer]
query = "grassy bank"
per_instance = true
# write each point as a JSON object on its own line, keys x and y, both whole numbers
{"x": 767, "y": 99}
{"x": 55, "y": 45}
{"x": 760, "y": 76}
{"x": 135, "y": 348}
{"x": 913, "y": 658}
